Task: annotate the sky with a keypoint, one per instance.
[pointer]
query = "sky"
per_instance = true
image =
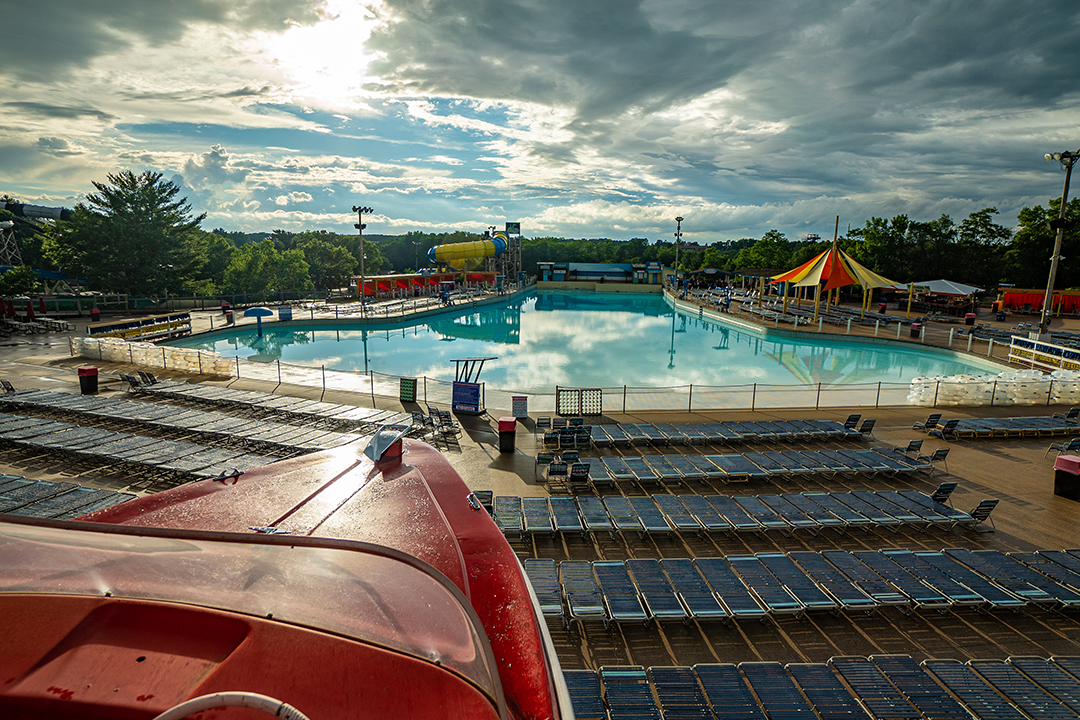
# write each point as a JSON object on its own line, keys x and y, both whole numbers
{"x": 576, "y": 118}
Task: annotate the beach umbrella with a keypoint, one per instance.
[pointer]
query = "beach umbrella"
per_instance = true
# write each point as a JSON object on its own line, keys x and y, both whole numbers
{"x": 41, "y": 305}
{"x": 29, "y": 310}
{"x": 9, "y": 308}
{"x": 258, "y": 313}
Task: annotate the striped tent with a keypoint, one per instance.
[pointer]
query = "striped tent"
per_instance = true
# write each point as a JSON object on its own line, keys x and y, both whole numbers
{"x": 836, "y": 269}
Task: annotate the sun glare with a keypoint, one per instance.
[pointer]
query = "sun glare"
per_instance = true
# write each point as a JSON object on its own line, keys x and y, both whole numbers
{"x": 325, "y": 64}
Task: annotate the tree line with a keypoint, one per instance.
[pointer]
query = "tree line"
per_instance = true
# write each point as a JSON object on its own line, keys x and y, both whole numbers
{"x": 135, "y": 234}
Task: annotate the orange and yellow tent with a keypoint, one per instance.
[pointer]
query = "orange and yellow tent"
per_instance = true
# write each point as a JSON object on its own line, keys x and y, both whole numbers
{"x": 836, "y": 269}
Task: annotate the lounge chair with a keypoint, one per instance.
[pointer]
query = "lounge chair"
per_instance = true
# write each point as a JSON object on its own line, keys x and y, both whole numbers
{"x": 938, "y": 455}
{"x": 913, "y": 446}
{"x": 947, "y": 431}
{"x": 979, "y": 515}
{"x": 852, "y": 421}
{"x": 1071, "y": 414}
{"x": 1067, "y": 446}
{"x": 929, "y": 423}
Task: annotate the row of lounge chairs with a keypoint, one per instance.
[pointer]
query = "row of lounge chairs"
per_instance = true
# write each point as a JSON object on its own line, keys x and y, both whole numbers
{"x": 845, "y": 688}
{"x": 267, "y": 436}
{"x": 786, "y": 513}
{"x": 743, "y": 467}
{"x": 731, "y": 433}
{"x": 1024, "y": 427}
{"x": 775, "y": 584}
{"x": 342, "y": 417}
{"x": 136, "y": 452}
{"x": 61, "y": 500}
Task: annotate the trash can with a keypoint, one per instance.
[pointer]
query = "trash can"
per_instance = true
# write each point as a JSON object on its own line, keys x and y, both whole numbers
{"x": 88, "y": 375}
{"x": 995, "y": 306}
{"x": 407, "y": 389}
{"x": 228, "y": 317}
{"x": 969, "y": 319}
{"x": 507, "y": 431}
{"x": 1001, "y": 315}
{"x": 916, "y": 329}
{"x": 225, "y": 307}
{"x": 882, "y": 307}
{"x": 1067, "y": 477}
{"x": 95, "y": 314}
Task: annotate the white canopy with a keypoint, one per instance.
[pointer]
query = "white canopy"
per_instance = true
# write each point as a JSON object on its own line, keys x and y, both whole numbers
{"x": 948, "y": 287}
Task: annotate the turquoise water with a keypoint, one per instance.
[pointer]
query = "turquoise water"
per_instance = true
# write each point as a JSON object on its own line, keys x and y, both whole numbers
{"x": 584, "y": 340}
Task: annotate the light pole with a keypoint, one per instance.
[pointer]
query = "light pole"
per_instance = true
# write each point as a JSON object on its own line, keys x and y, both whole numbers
{"x": 1066, "y": 159}
{"x": 360, "y": 226}
{"x": 416, "y": 248}
{"x": 678, "y": 242}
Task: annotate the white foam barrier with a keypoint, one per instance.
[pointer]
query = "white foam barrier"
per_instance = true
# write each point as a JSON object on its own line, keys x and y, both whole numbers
{"x": 189, "y": 360}
{"x": 1014, "y": 387}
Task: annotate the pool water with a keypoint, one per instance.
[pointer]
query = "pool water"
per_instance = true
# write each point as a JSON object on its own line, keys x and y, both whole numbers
{"x": 585, "y": 340}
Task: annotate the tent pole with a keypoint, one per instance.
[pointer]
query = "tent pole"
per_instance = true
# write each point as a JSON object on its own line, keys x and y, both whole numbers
{"x": 817, "y": 301}
{"x": 785, "y": 296}
{"x": 910, "y": 292}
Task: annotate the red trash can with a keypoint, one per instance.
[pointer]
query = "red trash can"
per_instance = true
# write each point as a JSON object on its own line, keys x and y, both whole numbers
{"x": 507, "y": 434}
{"x": 88, "y": 380}
{"x": 95, "y": 314}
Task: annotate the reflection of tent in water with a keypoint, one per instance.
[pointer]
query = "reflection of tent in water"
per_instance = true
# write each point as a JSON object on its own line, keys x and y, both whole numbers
{"x": 811, "y": 365}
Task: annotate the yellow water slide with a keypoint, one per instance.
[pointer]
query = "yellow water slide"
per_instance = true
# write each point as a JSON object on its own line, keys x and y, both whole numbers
{"x": 467, "y": 255}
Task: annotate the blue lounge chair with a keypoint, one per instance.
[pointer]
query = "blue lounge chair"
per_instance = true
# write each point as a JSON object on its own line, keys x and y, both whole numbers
{"x": 656, "y": 590}
{"x": 586, "y": 698}
{"x": 929, "y": 423}
{"x": 740, "y": 603}
{"x": 728, "y": 693}
{"x": 679, "y": 693}
{"x": 628, "y": 695}
{"x": 583, "y": 596}
{"x": 695, "y": 593}
{"x": 544, "y": 577}
{"x": 621, "y": 596}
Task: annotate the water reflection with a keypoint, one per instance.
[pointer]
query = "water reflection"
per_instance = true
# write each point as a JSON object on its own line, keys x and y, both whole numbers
{"x": 585, "y": 340}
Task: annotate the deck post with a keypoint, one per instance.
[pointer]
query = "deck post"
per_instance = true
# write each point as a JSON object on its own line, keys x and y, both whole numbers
{"x": 951, "y": 331}
{"x": 990, "y": 348}
{"x": 937, "y": 386}
{"x": 690, "y": 399}
{"x": 970, "y": 338}
{"x": 753, "y": 398}
{"x": 876, "y": 324}
{"x": 817, "y": 400}
{"x": 877, "y": 400}
{"x": 1050, "y": 391}
{"x": 849, "y": 326}
{"x": 993, "y": 394}
{"x": 819, "y": 322}
{"x": 238, "y": 366}
{"x": 899, "y": 327}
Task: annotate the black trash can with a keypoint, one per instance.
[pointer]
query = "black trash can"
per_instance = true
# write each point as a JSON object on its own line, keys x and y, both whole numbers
{"x": 969, "y": 319}
{"x": 916, "y": 329}
{"x": 88, "y": 380}
{"x": 226, "y": 307}
{"x": 228, "y": 317}
{"x": 882, "y": 307}
{"x": 95, "y": 314}
{"x": 507, "y": 433}
{"x": 1067, "y": 477}
{"x": 1001, "y": 315}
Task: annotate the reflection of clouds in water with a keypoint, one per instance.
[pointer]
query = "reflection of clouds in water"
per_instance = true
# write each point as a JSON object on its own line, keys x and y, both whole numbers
{"x": 605, "y": 342}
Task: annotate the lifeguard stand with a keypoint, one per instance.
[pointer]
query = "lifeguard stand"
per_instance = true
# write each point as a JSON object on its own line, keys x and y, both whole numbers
{"x": 468, "y": 393}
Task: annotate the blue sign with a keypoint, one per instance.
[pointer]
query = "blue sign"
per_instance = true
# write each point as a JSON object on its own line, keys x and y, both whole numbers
{"x": 466, "y": 398}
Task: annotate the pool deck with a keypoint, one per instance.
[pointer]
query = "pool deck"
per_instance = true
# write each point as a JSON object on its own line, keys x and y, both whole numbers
{"x": 1029, "y": 517}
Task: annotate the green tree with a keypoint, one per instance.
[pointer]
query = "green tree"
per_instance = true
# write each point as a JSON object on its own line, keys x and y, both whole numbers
{"x": 259, "y": 268}
{"x": 19, "y": 281}
{"x": 772, "y": 251}
{"x": 130, "y": 236}
{"x": 1028, "y": 257}
{"x": 331, "y": 265}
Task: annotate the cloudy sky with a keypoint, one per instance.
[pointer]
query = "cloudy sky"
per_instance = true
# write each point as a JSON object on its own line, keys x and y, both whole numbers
{"x": 578, "y": 118}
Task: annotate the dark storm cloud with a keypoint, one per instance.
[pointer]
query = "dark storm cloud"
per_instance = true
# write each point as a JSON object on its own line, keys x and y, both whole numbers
{"x": 200, "y": 95}
{"x": 48, "y": 38}
{"x": 49, "y": 110}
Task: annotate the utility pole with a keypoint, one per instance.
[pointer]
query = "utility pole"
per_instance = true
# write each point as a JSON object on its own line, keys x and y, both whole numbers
{"x": 1066, "y": 159}
{"x": 360, "y": 226}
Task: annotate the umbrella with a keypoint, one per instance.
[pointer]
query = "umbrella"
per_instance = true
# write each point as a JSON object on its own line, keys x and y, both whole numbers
{"x": 949, "y": 287}
{"x": 9, "y": 308}
{"x": 29, "y": 310}
{"x": 41, "y": 305}
{"x": 258, "y": 313}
